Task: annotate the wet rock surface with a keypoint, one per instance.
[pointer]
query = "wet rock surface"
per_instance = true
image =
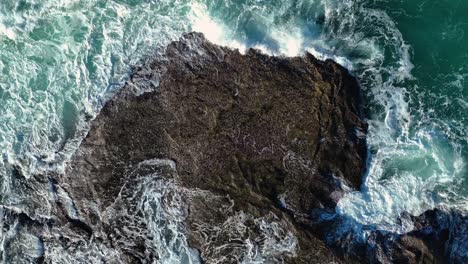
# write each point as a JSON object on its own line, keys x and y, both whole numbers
{"x": 438, "y": 236}
{"x": 257, "y": 141}
{"x": 207, "y": 155}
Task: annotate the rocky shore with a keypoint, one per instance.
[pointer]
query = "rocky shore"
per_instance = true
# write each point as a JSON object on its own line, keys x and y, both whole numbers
{"x": 207, "y": 155}
{"x": 250, "y": 141}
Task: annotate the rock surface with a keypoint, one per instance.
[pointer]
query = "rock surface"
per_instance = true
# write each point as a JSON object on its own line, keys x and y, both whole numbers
{"x": 255, "y": 141}
{"x": 207, "y": 155}
{"x": 439, "y": 236}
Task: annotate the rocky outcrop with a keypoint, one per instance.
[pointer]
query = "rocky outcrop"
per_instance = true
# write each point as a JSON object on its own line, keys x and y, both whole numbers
{"x": 251, "y": 142}
{"x": 439, "y": 236}
{"x": 207, "y": 155}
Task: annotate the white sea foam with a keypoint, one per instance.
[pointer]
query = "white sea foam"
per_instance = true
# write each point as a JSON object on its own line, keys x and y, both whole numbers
{"x": 165, "y": 212}
{"x": 285, "y": 39}
{"x": 8, "y": 32}
{"x": 412, "y": 163}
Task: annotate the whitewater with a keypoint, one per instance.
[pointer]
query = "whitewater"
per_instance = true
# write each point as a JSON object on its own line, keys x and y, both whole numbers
{"x": 60, "y": 60}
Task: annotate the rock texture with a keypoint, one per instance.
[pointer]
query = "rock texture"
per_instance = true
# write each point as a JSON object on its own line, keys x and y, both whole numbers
{"x": 262, "y": 139}
{"x": 439, "y": 236}
{"x": 210, "y": 156}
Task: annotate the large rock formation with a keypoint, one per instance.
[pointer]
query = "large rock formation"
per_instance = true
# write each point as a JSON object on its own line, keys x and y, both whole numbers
{"x": 251, "y": 142}
{"x": 208, "y": 155}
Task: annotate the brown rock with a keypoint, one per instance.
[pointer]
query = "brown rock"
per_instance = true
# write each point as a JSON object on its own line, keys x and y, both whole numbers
{"x": 257, "y": 141}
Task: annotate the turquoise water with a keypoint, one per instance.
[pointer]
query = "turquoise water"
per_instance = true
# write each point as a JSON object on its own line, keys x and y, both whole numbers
{"x": 421, "y": 157}
{"x": 61, "y": 59}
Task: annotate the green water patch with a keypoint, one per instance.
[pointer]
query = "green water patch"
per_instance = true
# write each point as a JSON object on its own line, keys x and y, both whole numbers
{"x": 437, "y": 32}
